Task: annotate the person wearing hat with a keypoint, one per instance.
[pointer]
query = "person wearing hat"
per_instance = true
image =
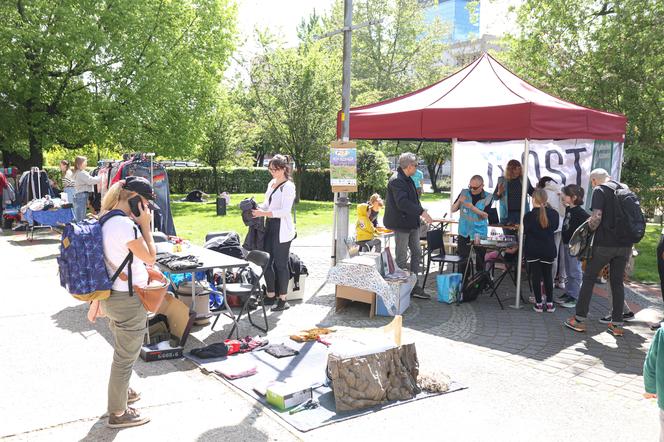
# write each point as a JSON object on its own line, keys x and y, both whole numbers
{"x": 126, "y": 215}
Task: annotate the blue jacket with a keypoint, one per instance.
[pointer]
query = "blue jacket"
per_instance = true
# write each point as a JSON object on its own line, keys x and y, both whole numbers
{"x": 469, "y": 222}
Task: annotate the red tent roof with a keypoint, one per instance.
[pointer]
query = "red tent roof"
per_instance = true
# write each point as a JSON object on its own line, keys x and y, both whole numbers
{"x": 483, "y": 101}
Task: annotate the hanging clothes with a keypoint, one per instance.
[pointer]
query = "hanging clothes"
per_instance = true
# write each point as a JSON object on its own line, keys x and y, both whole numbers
{"x": 34, "y": 184}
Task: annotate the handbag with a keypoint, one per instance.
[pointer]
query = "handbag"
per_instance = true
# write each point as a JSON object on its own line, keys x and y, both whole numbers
{"x": 152, "y": 295}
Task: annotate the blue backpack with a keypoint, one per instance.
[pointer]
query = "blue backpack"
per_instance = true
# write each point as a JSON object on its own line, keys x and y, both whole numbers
{"x": 81, "y": 261}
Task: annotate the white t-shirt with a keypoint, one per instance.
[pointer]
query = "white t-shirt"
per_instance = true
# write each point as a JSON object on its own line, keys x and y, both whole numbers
{"x": 116, "y": 233}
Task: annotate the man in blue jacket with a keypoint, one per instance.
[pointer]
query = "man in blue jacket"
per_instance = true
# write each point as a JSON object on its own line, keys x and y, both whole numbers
{"x": 402, "y": 214}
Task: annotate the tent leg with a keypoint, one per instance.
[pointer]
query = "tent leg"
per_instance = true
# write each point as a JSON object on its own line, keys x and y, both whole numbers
{"x": 524, "y": 195}
{"x": 454, "y": 143}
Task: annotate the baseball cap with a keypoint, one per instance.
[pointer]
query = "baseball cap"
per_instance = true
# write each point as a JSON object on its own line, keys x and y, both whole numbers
{"x": 142, "y": 187}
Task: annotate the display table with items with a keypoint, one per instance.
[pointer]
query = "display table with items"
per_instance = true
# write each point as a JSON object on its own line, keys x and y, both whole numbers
{"x": 46, "y": 212}
{"x": 367, "y": 278}
{"x": 193, "y": 259}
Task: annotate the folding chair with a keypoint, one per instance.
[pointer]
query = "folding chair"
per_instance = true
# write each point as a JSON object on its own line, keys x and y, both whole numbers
{"x": 248, "y": 291}
{"x": 436, "y": 253}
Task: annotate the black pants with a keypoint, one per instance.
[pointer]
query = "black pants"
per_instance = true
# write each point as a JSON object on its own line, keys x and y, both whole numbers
{"x": 541, "y": 271}
{"x": 660, "y": 264}
{"x": 277, "y": 273}
{"x": 463, "y": 250}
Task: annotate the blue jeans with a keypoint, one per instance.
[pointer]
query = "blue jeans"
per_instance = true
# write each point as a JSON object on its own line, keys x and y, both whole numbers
{"x": 80, "y": 205}
{"x": 574, "y": 273}
{"x": 70, "y": 194}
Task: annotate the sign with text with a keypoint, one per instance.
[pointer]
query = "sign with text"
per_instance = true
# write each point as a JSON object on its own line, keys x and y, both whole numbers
{"x": 343, "y": 166}
{"x": 566, "y": 161}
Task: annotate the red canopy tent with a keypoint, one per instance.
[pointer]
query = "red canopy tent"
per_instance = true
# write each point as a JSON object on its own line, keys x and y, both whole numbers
{"x": 483, "y": 101}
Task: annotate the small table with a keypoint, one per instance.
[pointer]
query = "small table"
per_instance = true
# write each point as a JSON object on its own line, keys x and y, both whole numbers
{"x": 499, "y": 247}
{"x": 209, "y": 260}
{"x": 47, "y": 219}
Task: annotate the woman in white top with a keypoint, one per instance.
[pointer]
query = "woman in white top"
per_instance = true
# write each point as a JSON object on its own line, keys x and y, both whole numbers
{"x": 67, "y": 181}
{"x": 280, "y": 230}
{"x": 83, "y": 186}
{"x": 124, "y": 232}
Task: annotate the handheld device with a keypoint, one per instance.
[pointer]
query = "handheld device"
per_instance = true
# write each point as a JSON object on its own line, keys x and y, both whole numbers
{"x": 134, "y": 204}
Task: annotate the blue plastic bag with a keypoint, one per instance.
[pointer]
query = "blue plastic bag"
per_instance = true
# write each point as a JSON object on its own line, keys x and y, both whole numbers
{"x": 449, "y": 285}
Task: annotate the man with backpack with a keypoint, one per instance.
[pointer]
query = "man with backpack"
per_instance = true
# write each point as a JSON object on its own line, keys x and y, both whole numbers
{"x": 618, "y": 223}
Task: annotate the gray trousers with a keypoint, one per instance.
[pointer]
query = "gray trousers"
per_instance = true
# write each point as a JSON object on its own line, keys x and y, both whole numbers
{"x": 616, "y": 257}
{"x": 127, "y": 321}
{"x": 405, "y": 241}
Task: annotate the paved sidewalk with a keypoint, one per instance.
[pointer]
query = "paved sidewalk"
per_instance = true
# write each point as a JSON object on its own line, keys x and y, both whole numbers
{"x": 528, "y": 377}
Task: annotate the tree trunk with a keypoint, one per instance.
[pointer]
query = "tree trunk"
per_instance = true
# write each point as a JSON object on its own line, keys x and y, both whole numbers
{"x": 13, "y": 159}
{"x": 215, "y": 184}
{"x": 297, "y": 178}
{"x": 433, "y": 172}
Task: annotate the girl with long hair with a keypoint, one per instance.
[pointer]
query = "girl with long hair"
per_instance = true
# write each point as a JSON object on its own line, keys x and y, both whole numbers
{"x": 124, "y": 232}
{"x": 83, "y": 186}
{"x": 280, "y": 230}
{"x": 540, "y": 249}
{"x": 575, "y": 215}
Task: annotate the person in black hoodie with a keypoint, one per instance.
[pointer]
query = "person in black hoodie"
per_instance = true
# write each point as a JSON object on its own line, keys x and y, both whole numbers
{"x": 575, "y": 215}
{"x": 402, "y": 214}
{"x": 539, "y": 226}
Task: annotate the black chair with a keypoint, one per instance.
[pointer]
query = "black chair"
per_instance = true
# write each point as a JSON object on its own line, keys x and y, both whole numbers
{"x": 436, "y": 253}
{"x": 248, "y": 292}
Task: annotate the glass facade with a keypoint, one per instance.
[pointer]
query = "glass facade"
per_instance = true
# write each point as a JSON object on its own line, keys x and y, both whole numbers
{"x": 456, "y": 15}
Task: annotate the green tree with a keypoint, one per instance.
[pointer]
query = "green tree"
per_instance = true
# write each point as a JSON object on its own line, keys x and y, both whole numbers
{"x": 373, "y": 171}
{"x": 296, "y": 91}
{"x": 435, "y": 155}
{"x": 398, "y": 53}
{"x": 137, "y": 73}
{"x": 605, "y": 55}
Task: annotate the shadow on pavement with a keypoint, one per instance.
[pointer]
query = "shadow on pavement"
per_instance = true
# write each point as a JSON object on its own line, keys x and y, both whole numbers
{"x": 46, "y": 258}
{"x": 99, "y": 432}
{"x": 39, "y": 241}
{"x": 242, "y": 431}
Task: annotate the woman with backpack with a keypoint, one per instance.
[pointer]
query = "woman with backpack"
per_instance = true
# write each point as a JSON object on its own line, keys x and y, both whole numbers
{"x": 126, "y": 213}
{"x": 539, "y": 226}
{"x": 83, "y": 187}
{"x": 279, "y": 230}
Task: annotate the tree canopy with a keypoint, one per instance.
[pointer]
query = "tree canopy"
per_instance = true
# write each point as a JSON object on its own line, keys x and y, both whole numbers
{"x": 137, "y": 73}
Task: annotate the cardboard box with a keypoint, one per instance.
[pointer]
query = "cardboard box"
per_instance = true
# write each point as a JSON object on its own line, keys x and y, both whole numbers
{"x": 180, "y": 320}
{"x": 287, "y": 395}
{"x": 292, "y": 294}
{"x": 346, "y": 293}
{"x": 404, "y": 297}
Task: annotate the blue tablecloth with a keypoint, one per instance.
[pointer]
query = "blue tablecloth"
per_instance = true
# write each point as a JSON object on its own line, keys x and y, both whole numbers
{"x": 49, "y": 217}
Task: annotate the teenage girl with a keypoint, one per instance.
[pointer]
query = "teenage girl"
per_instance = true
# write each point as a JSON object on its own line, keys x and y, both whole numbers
{"x": 539, "y": 226}
{"x": 575, "y": 215}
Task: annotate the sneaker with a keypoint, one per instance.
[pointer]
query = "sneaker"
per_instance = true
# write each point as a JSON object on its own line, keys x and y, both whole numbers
{"x": 655, "y": 326}
{"x": 569, "y": 304}
{"x": 132, "y": 396}
{"x": 269, "y": 301}
{"x": 560, "y": 285}
{"x": 281, "y": 306}
{"x": 538, "y": 307}
{"x": 574, "y": 324}
{"x": 130, "y": 418}
{"x": 616, "y": 330}
{"x": 562, "y": 299}
{"x": 626, "y": 317}
{"x": 419, "y": 293}
{"x": 550, "y": 307}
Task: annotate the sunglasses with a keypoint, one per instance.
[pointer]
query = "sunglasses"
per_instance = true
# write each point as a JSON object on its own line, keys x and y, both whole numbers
{"x": 475, "y": 187}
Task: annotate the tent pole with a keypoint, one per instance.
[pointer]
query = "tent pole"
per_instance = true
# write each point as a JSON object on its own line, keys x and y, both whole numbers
{"x": 524, "y": 195}
{"x": 454, "y": 142}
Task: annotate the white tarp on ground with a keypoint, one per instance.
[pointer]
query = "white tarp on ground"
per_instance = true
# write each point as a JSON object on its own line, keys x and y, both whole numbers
{"x": 566, "y": 161}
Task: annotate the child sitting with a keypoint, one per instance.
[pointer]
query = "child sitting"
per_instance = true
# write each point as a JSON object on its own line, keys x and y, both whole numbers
{"x": 367, "y": 222}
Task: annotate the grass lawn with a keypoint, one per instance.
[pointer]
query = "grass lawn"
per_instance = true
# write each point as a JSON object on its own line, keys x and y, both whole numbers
{"x": 645, "y": 266}
{"x": 434, "y": 197}
{"x": 194, "y": 220}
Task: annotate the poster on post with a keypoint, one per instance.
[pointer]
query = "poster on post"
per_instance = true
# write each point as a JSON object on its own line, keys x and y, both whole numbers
{"x": 343, "y": 166}
{"x": 566, "y": 161}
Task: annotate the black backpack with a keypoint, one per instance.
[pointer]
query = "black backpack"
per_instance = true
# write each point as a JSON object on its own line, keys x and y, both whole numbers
{"x": 474, "y": 286}
{"x": 629, "y": 224}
